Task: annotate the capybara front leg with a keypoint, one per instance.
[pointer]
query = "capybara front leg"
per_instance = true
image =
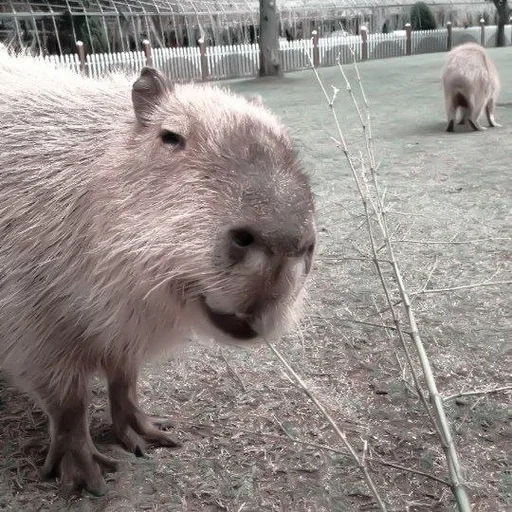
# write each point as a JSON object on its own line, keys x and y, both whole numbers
{"x": 132, "y": 426}
{"x": 72, "y": 455}
{"x": 489, "y": 110}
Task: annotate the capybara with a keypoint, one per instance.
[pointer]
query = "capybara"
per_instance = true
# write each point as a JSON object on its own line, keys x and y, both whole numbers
{"x": 135, "y": 213}
{"x": 471, "y": 84}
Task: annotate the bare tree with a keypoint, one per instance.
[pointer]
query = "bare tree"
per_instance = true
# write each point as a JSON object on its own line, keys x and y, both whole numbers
{"x": 503, "y": 11}
{"x": 270, "y": 61}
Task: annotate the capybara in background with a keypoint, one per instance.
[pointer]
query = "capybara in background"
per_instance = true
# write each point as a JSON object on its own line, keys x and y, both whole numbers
{"x": 471, "y": 84}
{"x": 134, "y": 213}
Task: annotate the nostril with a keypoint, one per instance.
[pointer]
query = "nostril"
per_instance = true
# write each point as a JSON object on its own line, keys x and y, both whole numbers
{"x": 242, "y": 237}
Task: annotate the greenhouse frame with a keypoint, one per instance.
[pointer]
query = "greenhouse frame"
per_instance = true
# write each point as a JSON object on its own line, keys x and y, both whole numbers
{"x": 54, "y": 26}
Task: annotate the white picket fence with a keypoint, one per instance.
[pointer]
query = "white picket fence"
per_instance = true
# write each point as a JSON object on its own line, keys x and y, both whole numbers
{"x": 236, "y": 61}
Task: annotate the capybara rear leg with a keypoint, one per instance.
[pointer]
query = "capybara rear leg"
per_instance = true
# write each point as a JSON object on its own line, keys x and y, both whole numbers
{"x": 476, "y": 125}
{"x": 489, "y": 110}
{"x": 72, "y": 455}
{"x": 132, "y": 426}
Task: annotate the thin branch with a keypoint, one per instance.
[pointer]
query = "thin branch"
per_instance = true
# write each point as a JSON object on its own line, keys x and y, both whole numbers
{"x": 441, "y": 425}
{"x": 478, "y": 392}
{"x": 339, "y": 433}
{"x": 362, "y": 322}
{"x": 463, "y": 287}
{"x": 448, "y": 242}
{"x": 371, "y": 458}
{"x": 233, "y": 371}
{"x": 439, "y": 421}
{"x": 429, "y": 277}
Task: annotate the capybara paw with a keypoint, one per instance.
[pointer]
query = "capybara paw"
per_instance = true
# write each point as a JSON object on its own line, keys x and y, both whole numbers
{"x": 142, "y": 430}
{"x": 78, "y": 468}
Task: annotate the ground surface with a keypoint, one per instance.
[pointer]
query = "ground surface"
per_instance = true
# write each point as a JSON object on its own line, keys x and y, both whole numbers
{"x": 236, "y": 455}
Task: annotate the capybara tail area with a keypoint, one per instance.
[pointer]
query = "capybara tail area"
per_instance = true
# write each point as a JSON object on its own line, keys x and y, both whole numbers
{"x": 459, "y": 100}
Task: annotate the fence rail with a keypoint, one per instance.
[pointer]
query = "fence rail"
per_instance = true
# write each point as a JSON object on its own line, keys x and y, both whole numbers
{"x": 237, "y": 61}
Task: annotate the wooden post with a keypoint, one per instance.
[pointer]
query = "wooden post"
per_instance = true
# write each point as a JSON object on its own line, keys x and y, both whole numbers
{"x": 146, "y": 46}
{"x": 408, "y": 39}
{"x": 482, "y": 31}
{"x": 316, "y": 50}
{"x": 364, "y": 39}
{"x": 81, "y": 56}
{"x": 204, "y": 60}
{"x": 449, "y": 37}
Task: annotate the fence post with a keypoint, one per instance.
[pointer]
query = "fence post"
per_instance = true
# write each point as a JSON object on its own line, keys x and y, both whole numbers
{"x": 408, "y": 42}
{"x": 449, "y": 37}
{"x": 364, "y": 40}
{"x": 204, "y": 60}
{"x": 316, "y": 50}
{"x": 146, "y": 46}
{"x": 482, "y": 31}
{"x": 81, "y": 55}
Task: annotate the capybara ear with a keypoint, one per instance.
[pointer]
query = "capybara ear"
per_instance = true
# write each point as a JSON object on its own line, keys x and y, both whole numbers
{"x": 147, "y": 91}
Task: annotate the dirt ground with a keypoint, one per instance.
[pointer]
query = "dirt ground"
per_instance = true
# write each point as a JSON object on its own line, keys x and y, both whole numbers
{"x": 233, "y": 409}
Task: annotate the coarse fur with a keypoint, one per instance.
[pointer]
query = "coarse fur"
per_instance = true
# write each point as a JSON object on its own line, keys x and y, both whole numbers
{"x": 133, "y": 214}
{"x": 471, "y": 85}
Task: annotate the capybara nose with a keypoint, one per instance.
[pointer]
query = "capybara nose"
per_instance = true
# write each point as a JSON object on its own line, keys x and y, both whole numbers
{"x": 247, "y": 244}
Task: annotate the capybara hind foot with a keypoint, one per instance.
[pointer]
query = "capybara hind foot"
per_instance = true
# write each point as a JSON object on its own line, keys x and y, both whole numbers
{"x": 450, "y": 127}
{"x": 79, "y": 465}
{"x": 476, "y": 126}
{"x": 135, "y": 429}
{"x": 490, "y": 118}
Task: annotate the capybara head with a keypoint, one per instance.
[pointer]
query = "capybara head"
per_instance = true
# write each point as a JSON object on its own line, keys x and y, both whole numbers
{"x": 232, "y": 230}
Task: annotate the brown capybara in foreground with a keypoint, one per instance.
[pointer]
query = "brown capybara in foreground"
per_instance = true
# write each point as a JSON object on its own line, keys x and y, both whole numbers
{"x": 133, "y": 216}
{"x": 471, "y": 84}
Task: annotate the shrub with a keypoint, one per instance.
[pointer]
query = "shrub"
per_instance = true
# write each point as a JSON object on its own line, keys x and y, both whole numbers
{"x": 422, "y": 17}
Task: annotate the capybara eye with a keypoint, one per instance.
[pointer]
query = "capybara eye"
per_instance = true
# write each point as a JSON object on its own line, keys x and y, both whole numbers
{"x": 173, "y": 139}
{"x": 242, "y": 237}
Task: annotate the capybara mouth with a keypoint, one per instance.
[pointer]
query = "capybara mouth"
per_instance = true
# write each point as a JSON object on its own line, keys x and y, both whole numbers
{"x": 234, "y": 325}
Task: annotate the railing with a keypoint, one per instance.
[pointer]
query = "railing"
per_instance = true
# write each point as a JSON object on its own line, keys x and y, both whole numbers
{"x": 236, "y": 61}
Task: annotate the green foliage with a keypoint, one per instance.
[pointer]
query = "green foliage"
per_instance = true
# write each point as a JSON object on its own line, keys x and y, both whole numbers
{"x": 422, "y": 17}
{"x": 88, "y": 29}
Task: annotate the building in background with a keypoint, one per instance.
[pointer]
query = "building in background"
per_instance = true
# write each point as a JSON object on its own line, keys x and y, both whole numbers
{"x": 53, "y": 26}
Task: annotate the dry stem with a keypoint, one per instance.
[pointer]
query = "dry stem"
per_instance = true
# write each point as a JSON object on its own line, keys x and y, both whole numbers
{"x": 337, "y": 430}
{"x": 477, "y": 392}
{"x": 373, "y": 203}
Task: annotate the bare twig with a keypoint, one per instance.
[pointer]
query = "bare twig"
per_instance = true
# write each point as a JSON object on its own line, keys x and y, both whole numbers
{"x": 362, "y": 322}
{"x": 429, "y": 277}
{"x": 448, "y": 242}
{"x": 478, "y": 392}
{"x": 463, "y": 287}
{"x": 233, "y": 371}
{"x": 339, "y": 433}
{"x": 380, "y": 461}
{"x": 441, "y": 424}
{"x": 373, "y": 203}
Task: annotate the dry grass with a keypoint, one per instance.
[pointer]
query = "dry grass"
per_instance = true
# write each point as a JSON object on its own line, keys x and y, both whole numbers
{"x": 236, "y": 419}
